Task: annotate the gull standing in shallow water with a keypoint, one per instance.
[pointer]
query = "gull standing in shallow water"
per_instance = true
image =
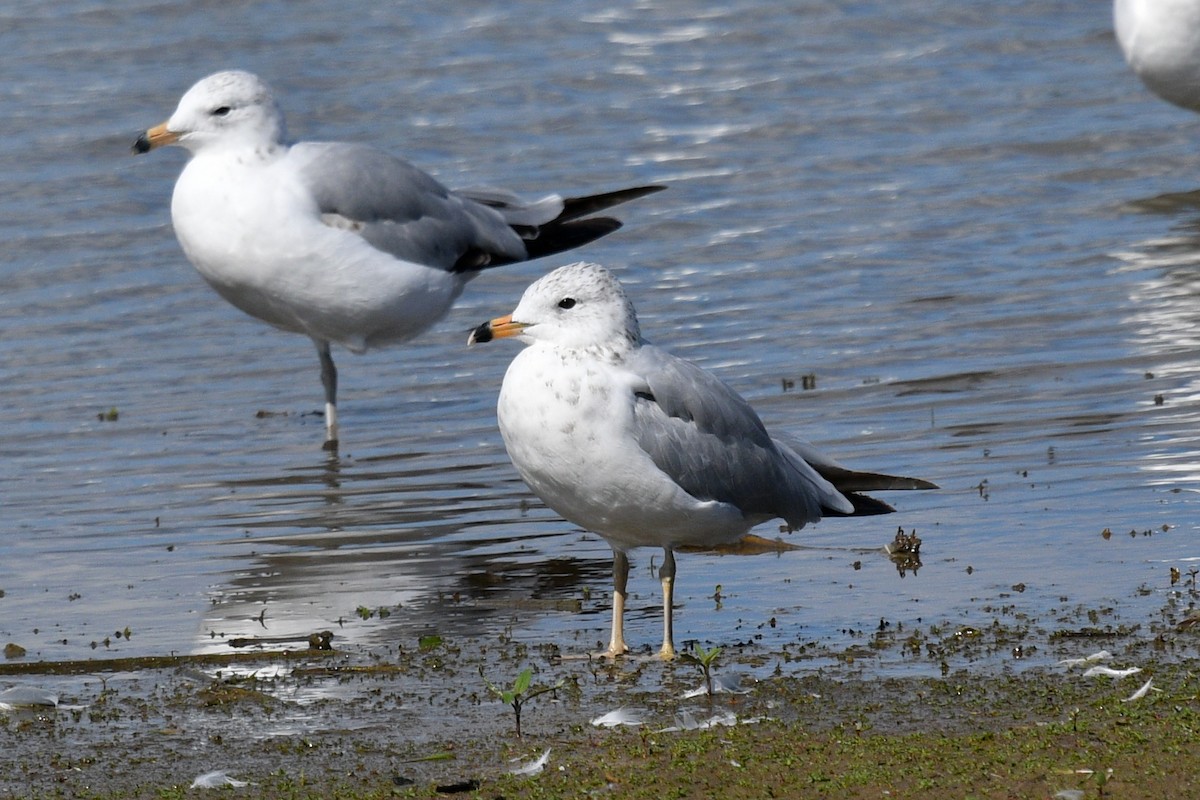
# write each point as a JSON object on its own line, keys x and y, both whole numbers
{"x": 643, "y": 448}
{"x": 338, "y": 241}
{"x": 1161, "y": 42}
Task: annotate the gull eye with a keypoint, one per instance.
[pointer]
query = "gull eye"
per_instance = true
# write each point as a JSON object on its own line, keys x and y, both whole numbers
{"x": 221, "y": 111}
{"x": 567, "y": 302}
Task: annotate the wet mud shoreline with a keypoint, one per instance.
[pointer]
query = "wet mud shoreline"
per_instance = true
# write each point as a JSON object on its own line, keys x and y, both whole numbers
{"x": 419, "y": 720}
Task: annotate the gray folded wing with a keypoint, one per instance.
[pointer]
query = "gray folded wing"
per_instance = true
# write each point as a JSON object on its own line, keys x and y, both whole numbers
{"x": 401, "y": 210}
{"x": 711, "y": 442}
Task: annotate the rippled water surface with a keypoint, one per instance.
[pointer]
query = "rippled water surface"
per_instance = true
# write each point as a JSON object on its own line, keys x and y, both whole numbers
{"x": 970, "y": 225}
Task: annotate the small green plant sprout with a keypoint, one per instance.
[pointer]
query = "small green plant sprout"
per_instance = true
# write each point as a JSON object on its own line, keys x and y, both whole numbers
{"x": 521, "y": 692}
{"x": 704, "y": 659}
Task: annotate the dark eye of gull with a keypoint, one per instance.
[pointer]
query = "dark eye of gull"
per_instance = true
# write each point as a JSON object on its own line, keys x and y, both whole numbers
{"x": 567, "y": 302}
{"x": 222, "y": 111}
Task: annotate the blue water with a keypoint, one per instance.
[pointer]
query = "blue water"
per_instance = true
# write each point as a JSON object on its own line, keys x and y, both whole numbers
{"x": 971, "y": 224}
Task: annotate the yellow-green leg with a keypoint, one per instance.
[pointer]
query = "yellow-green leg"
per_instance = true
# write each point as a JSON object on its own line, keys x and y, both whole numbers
{"x": 666, "y": 573}
{"x": 616, "y": 643}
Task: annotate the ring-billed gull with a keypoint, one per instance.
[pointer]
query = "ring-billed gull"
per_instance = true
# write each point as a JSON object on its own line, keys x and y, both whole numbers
{"x": 1161, "y": 42}
{"x": 646, "y": 449}
{"x": 339, "y": 241}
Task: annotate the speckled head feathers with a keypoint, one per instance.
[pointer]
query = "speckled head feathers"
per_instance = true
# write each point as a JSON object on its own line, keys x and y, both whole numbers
{"x": 579, "y": 305}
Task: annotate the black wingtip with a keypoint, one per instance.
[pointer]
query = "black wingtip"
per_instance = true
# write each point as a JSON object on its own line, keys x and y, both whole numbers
{"x": 565, "y": 232}
{"x": 480, "y": 335}
{"x": 849, "y": 480}
{"x": 576, "y": 207}
{"x": 864, "y": 506}
{"x": 559, "y": 236}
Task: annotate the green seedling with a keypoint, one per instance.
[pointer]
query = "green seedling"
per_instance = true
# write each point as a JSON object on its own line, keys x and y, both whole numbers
{"x": 705, "y": 660}
{"x": 520, "y": 693}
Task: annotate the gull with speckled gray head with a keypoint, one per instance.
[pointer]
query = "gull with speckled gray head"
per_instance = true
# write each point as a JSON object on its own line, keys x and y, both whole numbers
{"x": 341, "y": 242}
{"x": 643, "y": 448}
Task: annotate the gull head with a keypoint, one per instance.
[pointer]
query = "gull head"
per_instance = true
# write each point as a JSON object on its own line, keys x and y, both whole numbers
{"x": 228, "y": 109}
{"x": 577, "y": 306}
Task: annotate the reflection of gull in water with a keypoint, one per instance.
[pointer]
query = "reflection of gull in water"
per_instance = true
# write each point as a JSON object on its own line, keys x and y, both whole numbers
{"x": 410, "y": 549}
{"x": 644, "y": 448}
{"x": 1167, "y": 296}
{"x": 1161, "y": 42}
{"x": 1165, "y": 324}
{"x": 341, "y": 242}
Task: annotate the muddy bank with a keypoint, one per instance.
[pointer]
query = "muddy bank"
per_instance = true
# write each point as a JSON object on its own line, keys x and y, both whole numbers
{"x": 989, "y": 712}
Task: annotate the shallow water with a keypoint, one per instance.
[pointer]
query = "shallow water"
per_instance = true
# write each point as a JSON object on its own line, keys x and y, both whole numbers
{"x": 973, "y": 226}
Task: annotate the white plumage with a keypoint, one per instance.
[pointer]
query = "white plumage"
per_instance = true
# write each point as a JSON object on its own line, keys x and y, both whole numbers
{"x": 1161, "y": 42}
{"x": 624, "y": 439}
{"x": 341, "y": 242}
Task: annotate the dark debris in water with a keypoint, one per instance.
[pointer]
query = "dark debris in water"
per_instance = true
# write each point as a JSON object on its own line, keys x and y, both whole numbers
{"x": 904, "y": 543}
{"x": 905, "y": 551}
{"x": 89, "y": 666}
{"x": 321, "y": 640}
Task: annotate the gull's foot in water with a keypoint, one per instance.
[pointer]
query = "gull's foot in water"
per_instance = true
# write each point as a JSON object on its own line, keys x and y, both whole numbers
{"x": 613, "y": 652}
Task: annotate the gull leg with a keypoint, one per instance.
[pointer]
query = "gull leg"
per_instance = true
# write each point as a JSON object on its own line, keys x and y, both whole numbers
{"x": 666, "y": 574}
{"x": 329, "y": 381}
{"x": 616, "y": 644}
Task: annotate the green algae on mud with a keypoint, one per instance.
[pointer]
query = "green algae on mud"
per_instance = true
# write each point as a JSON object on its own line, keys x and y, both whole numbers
{"x": 406, "y": 722}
